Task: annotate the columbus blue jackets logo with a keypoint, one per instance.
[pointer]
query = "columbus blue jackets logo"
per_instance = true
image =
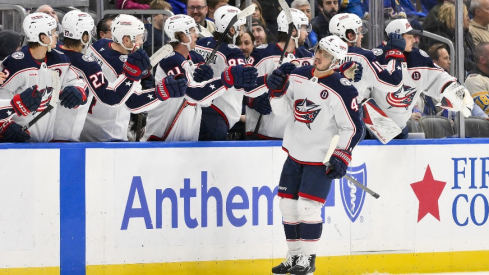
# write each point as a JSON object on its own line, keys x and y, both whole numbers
{"x": 351, "y": 196}
{"x": 402, "y": 98}
{"x": 305, "y": 111}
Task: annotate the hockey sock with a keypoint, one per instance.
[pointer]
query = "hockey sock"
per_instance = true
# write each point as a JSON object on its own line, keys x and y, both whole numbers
{"x": 310, "y": 235}
{"x": 293, "y": 236}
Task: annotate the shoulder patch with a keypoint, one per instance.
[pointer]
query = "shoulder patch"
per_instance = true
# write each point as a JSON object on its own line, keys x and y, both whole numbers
{"x": 18, "y": 55}
{"x": 423, "y": 53}
{"x": 345, "y": 82}
{"x": 262, "y": 46}
{"x": 123, "y": 58}
{"x": 87, "y": 58}
{"x": 377, "y": 51}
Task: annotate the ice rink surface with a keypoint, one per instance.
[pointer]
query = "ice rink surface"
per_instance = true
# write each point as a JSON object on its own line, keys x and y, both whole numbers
{"x": 448, "y": 273}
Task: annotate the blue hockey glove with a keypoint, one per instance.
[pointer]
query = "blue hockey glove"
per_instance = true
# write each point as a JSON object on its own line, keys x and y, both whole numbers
{"x": 261, "y": 104}
{"x": 12, "y": 132}
{"x": 287, "y": 68}
{"x": 147, "y": 82}
{"x": 396, "y": 42}
{"x": 240, "y": 76}
{"x": 339, "y": 162}
{"x": 203, "y": 72}
{"x": 137, "y": 62}
{"x": 171, "y": 86}
{"x": 72, "y": 97}
{"x": 27, "y": 101}
{"x": 277, "y": 83}
{"x": 351, "y": 70}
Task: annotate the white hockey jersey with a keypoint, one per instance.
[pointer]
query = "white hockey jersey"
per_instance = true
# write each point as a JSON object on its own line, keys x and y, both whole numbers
{"x": 22, "y": 72}
{"x": 265, "y": 58}
{"x": 178, "y": 119}
{"x": 318, "y": 109}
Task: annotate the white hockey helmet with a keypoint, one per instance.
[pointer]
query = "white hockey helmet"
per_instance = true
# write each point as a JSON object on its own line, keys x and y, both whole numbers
{"x": 223, "y": 16}
{"x": 298, "y": 17}
{"x": 401, "y": 26}
{"x": 39, "y": 23}
{"x": 334, "y": 46}
{"x": 127, "y": 25}
{"x": 179, "y": 23}
{"x": 76, "y": 23}
{"x": 341, "y": 22}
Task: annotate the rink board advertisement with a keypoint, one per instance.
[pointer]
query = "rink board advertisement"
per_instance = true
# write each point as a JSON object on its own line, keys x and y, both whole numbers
{"x": 211, "y": 208}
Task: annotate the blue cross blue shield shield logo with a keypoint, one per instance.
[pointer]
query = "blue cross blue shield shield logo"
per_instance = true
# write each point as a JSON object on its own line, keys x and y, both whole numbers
{"x": 351, "y": 196}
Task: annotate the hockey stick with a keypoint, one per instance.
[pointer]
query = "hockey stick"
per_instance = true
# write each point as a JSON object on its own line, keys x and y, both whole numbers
{"x": 54, "y": 97}
{"x": 332, "y": 147}
{"x": 288, "y": 15}
{"x": 240, "y": 15}
{"x": 160, "y": 54}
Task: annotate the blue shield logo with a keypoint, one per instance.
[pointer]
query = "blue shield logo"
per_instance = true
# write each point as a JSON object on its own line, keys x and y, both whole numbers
{"x": 351, "y": 196}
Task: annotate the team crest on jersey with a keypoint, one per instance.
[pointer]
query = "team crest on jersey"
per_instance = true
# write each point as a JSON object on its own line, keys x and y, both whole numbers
{"x": 87, "y": 58}
{"x": 305, "y": 111}
{"x": 423, "y": 53}
{"x": 377, "y": 51}
{"x": 345, "y": 82}
{"x": 123, "y": 58}
{"x": 18, "y": 55}
{"x": 402, "y": 98}
{"x": 351, "y": 196}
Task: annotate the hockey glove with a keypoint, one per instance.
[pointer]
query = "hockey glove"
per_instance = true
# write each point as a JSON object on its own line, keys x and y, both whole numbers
{"x": 287, "y": 68}
{"x": 339, "y": 162}
{"x": 171, "y": 86}
{"x": 351, "y": 70}
{"x": 261, "y": 104}
{"x": 203, "y": 72}
{"x": 72, "y": 97}
{"x": 396, "y": 42}
{"x": 12, "y": 132}
{"x": 240, "y": 76}
{"x": 277, "y": 83}
{"x": 147, "y": 82}
{"x": 137, "y": 62}
{"x": 27, "y": 101}
{"x": 457, "y": 98}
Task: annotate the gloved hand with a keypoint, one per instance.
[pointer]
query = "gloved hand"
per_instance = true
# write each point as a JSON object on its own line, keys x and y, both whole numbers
{"x": 241, "y": 76}
{"x": 338, "y": 164}
{"x": 203, "y": 72}
{"x": 287, "y": 68}
{"x": 352, "y": 70}
{"x": 137, "y": 62}
{"x": 261, "y": 104}
{"x": 72, "y": 97}
{"x": 148, "y": 82}
{"x": 457, "y": 98}
{"x": 27, "y": 101}
{"x": 171, "y": 86}
{"x": 395, "y": 42}
{"x": 12, "y": 132}
{"x": 277, "y": 83}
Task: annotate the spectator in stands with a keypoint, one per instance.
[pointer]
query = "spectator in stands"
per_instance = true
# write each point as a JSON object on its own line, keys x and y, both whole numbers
{"x": 261, "y": 37}
{"x": 133, "y": 4}
{"x": 103, "y": 27}
{"x": 178, "y": 6}
{"x": 47, "y": 9}
{"x": 478, "y": 81}
{"x": 305, "y": 7}
{"x": 259, "y": 34}
{"x": 320, "y": 23}
{"x": 198, "y": 9}
{"x": 417, "y": 38}
{"x": 269, "y": 10}
{"x": 10, "y": 42}
{"x": 213, "y": 6}
{"x": 393, "y": 9}
{"x": 351, "y": 6}
{"x": 440, "y": 56}
{"x": 431, "y": 23}
{"x": 446, "y": 18}
{"x": 156, "y": 27}
{"x": 246, "y": 42}
{"x": 480, "y": 21}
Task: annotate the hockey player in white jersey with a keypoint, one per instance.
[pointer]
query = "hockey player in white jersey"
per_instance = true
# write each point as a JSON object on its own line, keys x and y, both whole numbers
{"x": 120, "y": 56}
{"x": 320, "y": 103}
{"x": 225, "y": 110}
{"x": 31, "y": 66}
{"x": 78, "y": 27}
{"x": 178, "y": 119}
{"x": 265, "y": 58}
{"x": 420, "y": 75}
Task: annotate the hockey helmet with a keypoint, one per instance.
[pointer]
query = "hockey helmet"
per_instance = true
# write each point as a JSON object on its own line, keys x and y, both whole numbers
{"x": 76, "y": 23}
{"x": 334, "y": 46}
{"x": 36, "y": 24}
{"x": 341, "y": 22}
{"x": 298, "y": 17}
{"x": 223, "y": 16}
{"x": 179, "y": 23}
{"x": 401, "y": 26}
{"x": 127, "y": 25}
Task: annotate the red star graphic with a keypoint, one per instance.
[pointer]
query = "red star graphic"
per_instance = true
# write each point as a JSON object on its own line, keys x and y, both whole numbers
{"x": 428, "y": 192}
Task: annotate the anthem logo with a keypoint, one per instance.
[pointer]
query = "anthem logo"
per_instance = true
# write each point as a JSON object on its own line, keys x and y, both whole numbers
{"x": 351, "y": 196}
